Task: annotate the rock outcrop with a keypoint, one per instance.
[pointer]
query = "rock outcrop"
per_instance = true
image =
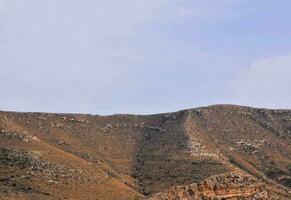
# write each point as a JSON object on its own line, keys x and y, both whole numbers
{"x": 225, "y": 186}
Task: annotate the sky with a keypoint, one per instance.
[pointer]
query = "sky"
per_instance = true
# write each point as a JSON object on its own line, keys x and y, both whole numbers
{"x": 143, "y": 56}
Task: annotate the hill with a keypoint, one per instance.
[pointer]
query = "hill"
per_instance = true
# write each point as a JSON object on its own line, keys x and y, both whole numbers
{"x": 215, "y": 152}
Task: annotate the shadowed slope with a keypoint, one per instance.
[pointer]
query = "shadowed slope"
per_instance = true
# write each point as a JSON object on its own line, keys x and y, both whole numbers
{"x": 164, "y": 156}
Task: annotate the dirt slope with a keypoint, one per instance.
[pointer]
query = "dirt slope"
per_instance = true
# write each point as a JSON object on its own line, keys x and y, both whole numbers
{"x": 214, "y": 152}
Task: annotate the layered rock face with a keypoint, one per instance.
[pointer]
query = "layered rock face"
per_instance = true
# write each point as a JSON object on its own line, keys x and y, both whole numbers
{"x": 216, "y": 152}
{"x": 224, "y": 186}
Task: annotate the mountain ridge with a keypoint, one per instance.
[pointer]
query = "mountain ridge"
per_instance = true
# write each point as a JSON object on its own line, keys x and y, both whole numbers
{"x": 150, "y": 114}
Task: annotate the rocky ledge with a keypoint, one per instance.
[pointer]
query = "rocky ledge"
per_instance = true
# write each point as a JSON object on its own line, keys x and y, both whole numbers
{"x": 225, "y": 186}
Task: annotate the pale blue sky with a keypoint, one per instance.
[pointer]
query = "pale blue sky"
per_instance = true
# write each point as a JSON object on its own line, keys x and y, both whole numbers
{"x": 143, "y": 56}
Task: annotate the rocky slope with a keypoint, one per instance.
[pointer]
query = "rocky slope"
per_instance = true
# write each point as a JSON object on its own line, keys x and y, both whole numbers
{"x": 216, "y": 152}
{"x": 224, "y": 186}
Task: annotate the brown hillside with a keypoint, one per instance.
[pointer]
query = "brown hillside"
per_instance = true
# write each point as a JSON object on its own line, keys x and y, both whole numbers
{"x": 216, "y": 152}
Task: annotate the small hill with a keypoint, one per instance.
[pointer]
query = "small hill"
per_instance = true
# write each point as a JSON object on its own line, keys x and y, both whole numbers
{"x": 215, "y": 152}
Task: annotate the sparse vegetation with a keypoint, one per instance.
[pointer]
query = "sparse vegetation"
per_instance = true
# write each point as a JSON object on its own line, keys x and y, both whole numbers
{"x": 216, "y": 152}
